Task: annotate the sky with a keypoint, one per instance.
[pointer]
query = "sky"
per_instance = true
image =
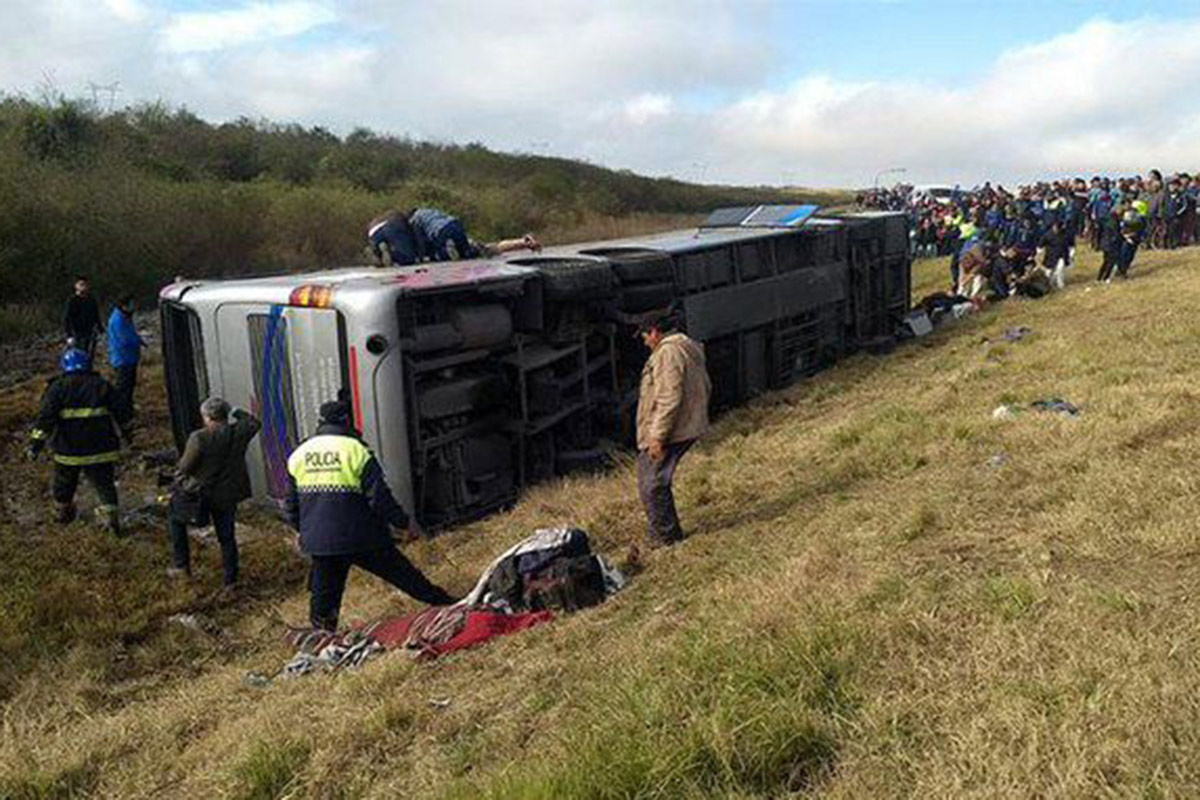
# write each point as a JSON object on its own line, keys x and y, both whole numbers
{"x": 803, "y": 92}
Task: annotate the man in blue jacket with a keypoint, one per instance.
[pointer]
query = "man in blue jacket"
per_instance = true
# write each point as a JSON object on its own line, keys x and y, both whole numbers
{"x": 392, "y": 240}
{"x": 341, "y": 504}
{"x": 124, "y": 349}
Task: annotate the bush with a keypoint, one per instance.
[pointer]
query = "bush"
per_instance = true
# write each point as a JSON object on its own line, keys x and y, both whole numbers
{"x": 136, "y": 197}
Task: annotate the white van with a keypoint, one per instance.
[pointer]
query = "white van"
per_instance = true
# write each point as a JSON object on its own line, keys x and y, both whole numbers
{"x": 937, "y": 192}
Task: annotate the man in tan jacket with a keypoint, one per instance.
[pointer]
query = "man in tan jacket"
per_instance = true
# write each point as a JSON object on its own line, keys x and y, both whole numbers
{"x": 672, "y": 414}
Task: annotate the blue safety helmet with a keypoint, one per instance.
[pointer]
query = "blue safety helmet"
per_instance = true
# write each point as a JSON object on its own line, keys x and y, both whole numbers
{"x": 75, "y": 360}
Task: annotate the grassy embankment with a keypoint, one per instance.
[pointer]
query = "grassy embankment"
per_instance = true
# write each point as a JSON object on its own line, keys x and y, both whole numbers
{"x": 872, "y": 604}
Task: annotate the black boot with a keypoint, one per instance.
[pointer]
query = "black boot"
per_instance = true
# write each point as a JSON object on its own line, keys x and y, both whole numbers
{"x": 66, "y": 513}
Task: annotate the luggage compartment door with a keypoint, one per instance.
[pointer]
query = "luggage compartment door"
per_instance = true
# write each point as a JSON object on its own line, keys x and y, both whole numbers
{"x": 289, "y": 362}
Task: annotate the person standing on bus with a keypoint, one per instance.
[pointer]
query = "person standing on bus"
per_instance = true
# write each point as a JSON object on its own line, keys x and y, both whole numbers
{"x": 342, "y": 507}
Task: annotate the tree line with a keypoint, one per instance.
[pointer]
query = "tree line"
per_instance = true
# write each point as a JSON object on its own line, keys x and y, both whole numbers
{"x": 135, "y": 196}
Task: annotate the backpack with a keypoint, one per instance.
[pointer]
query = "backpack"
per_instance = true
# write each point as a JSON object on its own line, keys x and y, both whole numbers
{"x": 508, "y": 577}
{"x": 567, "y": 584}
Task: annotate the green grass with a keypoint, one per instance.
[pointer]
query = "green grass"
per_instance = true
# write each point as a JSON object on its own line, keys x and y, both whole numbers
{"x": 868, "y": 606}
{"x": 270, "y": 770}
{"x": 63, "y": 784}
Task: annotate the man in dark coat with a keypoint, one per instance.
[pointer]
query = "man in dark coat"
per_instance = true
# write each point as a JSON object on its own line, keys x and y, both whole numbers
{"x": 81, "y": 320}
{"x": 1056, "y": 253}
{"x": 210, "y": 481}
{"x": 342, "y": 507}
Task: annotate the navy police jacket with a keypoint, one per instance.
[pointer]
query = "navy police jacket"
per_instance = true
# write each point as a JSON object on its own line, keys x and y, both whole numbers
{"x": 339, "y": 500}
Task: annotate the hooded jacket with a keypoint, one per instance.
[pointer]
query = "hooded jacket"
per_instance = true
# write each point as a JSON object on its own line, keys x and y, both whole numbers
{"x": 675, "y": 389}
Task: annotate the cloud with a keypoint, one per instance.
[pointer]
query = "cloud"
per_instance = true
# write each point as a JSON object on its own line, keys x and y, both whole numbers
{"x": 666, "y": 88}
{"x": 1107, "y": 96}
{"x": 199, "y": 32}
{"x": 127, "y": 10}
{"x": 646, "y": 107}
{"x": 282, "y": 84}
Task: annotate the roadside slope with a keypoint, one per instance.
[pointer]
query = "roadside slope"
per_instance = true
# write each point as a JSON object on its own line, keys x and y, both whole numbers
{"x": 886, "y": 593}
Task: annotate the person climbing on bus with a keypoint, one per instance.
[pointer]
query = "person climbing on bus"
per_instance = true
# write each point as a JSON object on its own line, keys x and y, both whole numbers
{"x": 342, "y": 507}
{"x": 79, "y": 418}
{"x": 430, "y": 234}
{"x": 442, "y": 237}
{"x": 392, "y": 240}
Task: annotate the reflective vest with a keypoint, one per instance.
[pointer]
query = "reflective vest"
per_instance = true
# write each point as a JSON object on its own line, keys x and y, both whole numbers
{"x": 340, "y": 501}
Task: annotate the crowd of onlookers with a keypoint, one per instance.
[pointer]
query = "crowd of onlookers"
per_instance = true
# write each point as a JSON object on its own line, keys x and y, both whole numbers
{"x": 1004, "y": 242}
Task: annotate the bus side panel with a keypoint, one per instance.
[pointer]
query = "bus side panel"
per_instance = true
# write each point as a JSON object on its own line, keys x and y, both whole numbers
{"x": 386, "y": 419}
{"x": 287, "y": 363}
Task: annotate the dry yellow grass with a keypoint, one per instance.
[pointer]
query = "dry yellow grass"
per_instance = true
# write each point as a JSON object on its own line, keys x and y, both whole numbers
{"x": 869, "y": 606}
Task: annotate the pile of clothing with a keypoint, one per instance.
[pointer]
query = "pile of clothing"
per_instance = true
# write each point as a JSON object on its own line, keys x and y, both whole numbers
{"x": 942, "y": 306}
{"x": 552, "y": 571}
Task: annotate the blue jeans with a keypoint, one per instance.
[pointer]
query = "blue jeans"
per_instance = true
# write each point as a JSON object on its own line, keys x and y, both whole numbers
{"x": 655, "y": 486}
{"x": 223, "y": 523}
{"x": 451, "y": 232}
{"x": 1125, "y": 260}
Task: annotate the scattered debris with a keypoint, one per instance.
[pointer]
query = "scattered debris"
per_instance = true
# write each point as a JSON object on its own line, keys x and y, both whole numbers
{"x": 917, "y": 324}
{"x": 196, "y": 622}
{"x": 1057, "y": 405}
{"x": 149, "y": 515}
{"x": 1007, "y": 411}
{"x": 1017, "y": 334}
{"x": 159, "y": 459}
{"x": 256, "y": 680}
{"x": 350, "y": 652}
{"x": 961, "y": 310}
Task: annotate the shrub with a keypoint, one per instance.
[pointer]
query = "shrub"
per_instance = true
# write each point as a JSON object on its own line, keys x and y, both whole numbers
{"x": 136, "y": 197}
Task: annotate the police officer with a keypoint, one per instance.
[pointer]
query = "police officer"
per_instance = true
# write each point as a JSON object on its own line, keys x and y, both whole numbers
{"x": 342, "y": 507}
{"x": 79, "y": 417}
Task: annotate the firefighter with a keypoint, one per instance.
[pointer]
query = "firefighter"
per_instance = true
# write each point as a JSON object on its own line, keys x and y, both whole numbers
{"x": 342, "y": 507}
{"x": 79, "y": 418}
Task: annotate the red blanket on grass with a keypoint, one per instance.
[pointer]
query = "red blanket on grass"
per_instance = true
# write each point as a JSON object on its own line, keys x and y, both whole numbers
{"x": 430, "y": 633}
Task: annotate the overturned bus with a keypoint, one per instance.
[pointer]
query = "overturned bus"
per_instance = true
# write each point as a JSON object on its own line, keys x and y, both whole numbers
{"x": 473, "y": 379}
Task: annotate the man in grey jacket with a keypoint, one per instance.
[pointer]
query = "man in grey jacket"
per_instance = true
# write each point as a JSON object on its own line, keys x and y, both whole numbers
{"x": 210, "y": 480}
{"x": 672, "y": 414}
